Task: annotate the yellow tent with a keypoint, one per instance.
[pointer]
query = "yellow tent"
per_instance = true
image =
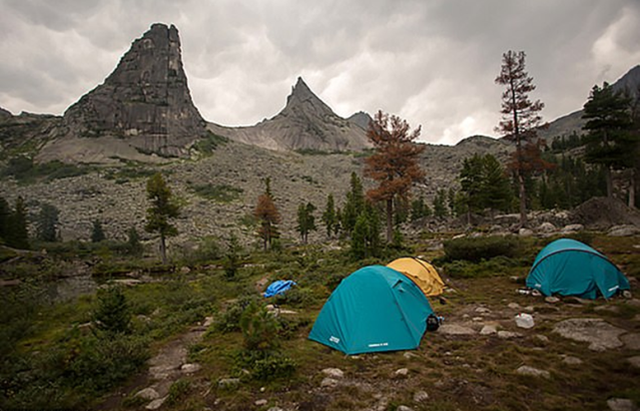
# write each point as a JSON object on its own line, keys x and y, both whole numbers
{"x": 421, "y": 272}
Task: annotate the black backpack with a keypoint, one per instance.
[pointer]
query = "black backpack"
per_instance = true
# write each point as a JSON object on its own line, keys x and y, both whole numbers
{"x": 432, "y": 322}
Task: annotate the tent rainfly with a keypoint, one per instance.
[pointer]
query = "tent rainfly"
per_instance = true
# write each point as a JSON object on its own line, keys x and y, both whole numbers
{"x": 569, "y": 267}
{"x": 376, "y": 308}
{"x": 421, "y": 272}
{"x": 278, "y": 287}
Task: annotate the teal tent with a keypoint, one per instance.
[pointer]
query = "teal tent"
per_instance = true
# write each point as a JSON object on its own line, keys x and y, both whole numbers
{"x": 569, "y": 267}
{"x": 374, "y": 309}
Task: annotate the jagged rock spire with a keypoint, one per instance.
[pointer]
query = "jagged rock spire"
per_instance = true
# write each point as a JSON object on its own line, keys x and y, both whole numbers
{"x": 145, "y": 100}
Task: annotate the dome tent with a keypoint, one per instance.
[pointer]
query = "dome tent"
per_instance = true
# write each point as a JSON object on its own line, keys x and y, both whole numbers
{"x": 569, "y": 267}
{"x": 374, "y": 309}
{"x": 421, "y": 272}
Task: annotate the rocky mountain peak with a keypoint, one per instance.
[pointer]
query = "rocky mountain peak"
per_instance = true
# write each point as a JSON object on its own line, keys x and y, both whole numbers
{"x": 145, "y": 101}
{"x": 303, "y": 99}
{"x": 630, "y": 83}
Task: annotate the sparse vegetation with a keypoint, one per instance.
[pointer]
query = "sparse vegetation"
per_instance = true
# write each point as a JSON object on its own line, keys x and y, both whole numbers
{"x": 222, "y": 193}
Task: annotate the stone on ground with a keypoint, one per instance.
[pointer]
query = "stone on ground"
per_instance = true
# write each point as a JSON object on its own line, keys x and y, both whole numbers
{"x": 621, "y": 404}
{"x": 534, "y": 372}
{"x": 634, "y": 361}
{"x": 148, "y": 394}
{"x": 507, "y": 335}
{"x": 569, "y": 360}
{"x": 420, "y": 396}
{"x": 333, "y": 372}
{"x": 631, "y": 341}
{"x": 455, "y": 329}
{"x": 600, "y": 334}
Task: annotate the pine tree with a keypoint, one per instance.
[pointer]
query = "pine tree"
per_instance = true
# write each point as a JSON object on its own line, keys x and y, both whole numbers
{"x": 394, "y": 164}
{"x": 268, "y": 216}
{"x": 306, "y": 220}
{"x": 5, "y": 216}
{"x": 17, "y": 234}
{"x": 610, "y": 142}
{"x": 365, "y": 238}
{"x": 231, "y": 261}
{"x": 97, "y": 233}
{"x": 133, "y": 242}
{"x": 353, "y": 205}
{"x": 439, "y": 204}
{"x": 112, "y": 316}
{"x": 163, "y": 209}
{"x": 47, "y": 223}
{"x": 329, "y": 217}
{"x": 520, "y": 121}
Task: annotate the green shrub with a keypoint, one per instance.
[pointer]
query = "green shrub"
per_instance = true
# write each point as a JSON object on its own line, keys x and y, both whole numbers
{"x": 259, "y": 328}
{"x": 487, "y": 268}
{"x": 221, "y": 193}
{"x": 296, "y": 297}
{"x": 178, "y": 391}
{"x": 273, "y": 367}
{"x": 477, "y": 249}
{"x": 112, "y": 315}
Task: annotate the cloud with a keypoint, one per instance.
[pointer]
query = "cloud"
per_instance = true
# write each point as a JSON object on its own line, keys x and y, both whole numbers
{"x": 432, "y": 63}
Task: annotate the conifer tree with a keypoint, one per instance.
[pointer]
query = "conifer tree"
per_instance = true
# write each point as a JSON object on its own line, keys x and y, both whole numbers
{"x": 520, "y": 121}
{"x": 365, "y": 238}
{"x": 306, "y": 220}
{"x": 394, "y": 164}
{"x": 97, "y": 233}
{"x": 353, "y": 205}
{"x": 47, "y": 223}
{"x": 610, "y": 142}
{"x": 133, "y": 242}
{"x": 17, "y": 234}
{"x": 439, "y": 204}
{"x": 163, "y": 209}
{"x": 419, "y": 209}
{"x": 329, "y": 217}
{"x": 5, "y": 215}
{"x": 268, "y": 216}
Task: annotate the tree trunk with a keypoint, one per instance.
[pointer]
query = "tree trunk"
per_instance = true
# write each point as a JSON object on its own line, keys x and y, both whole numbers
{"x": 389, "y": 220}
{"x": 523, "y": 200}
{"x": 609, "y": 179}
{"x": 632, "y": 191}
{"x": 163, "y": 249}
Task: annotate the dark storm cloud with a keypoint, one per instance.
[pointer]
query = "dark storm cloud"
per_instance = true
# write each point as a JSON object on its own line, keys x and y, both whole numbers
{"x": 431, "y": 62}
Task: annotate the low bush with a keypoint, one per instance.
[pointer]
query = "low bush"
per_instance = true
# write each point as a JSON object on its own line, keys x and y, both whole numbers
{"x": 481, "y": 248}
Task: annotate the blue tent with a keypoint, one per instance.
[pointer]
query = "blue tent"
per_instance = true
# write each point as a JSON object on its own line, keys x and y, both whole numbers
{"x": 569, "y": 267}
{"x": 374, "y": 309}
{"x": 278, "y": 287}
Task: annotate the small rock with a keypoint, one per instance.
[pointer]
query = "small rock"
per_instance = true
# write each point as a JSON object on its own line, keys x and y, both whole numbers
{"x": 455, "y": 329}
{"x": 607, "y": 308}
{"x": 329, "y": 383}
{"x": 635, "y": 361}
{"x": 190, "y": 368}
{"x": 275, "y": 409}
{"x": 208, "y": 321}
{"x": 631, "y": 341}
{"x": 552, "y": 299}
{"x": 404, "y": 408}
{"x": 525, "y": 232}
{"x": 409, "y": 355}
{"x": 420, "y": 396}
{"x": 401, "y": 373}
{"x": 534, "y": 372}
{"x": 576, "y": 300}
{"x": 627, "y": 294}
{"x": 529, "y": 308}
{"x": 542, "y": 338}
{"x": 489, "y": 329}
{"x": 600, "y": 334}
{"x": 155, "y": 404}
{"x": 148, "y": 394}
{"x": 185, "y": 270}
{"x": 621, "y": 404}
{"x": 514, "y": 306}
{"x": 623, "y": 231}
{"x": 482, "y": 310}
{"x": 524, "y": 321}
{"x": 572, "y": 228}
{"x": 477, "y": 319}
{"x": 546, "y": 227}
{"x": 333, "y": 372}
{"x": 569, "y": 360}
{"x": 507, "y": 335}
{"x": 465, "y": 316}
{"x": 260, "y": 403}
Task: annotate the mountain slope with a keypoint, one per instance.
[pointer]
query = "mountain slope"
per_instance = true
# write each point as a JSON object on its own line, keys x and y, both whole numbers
{"x": 306, "y": 122}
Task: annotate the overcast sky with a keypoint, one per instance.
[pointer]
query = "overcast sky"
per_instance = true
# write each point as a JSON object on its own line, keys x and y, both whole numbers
{"x": 432, "y": 62}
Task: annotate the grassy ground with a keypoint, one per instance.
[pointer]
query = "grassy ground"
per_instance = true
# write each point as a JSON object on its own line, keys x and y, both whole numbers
{"x": 457, "y": 372}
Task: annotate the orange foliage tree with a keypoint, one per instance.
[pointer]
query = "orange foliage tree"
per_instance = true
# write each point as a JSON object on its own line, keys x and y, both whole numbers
{"x": 520, "y": 121}
{"x": 268, "y": 216}
{"x": 394, "y": 164}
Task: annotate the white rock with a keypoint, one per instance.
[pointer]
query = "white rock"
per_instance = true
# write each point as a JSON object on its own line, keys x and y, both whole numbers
{"x": 569, "y": 360}
{"x": 572, "y": 228}
{"x": 404, "y": 408}
{"x": 420, "y": 396}
{"x": 489, "y": 329}
{"x": 148, "y": 394}
{"x": 631, "y": 341}
{"x": 507, "y": 335}
{"x": 329, "y": 383}
{"x": 190, "y": 368}
{"x": 155, "y": 404}
{"x": 534, "y": 372}
{"x": 542, "y": 338}
{"x": 525, "y": 232}
{"x": 482, "y": 310}
{"x": 623, "y": 231}
{"x": 514, "y": 306}
{"x": 402, "y": 372}
{"x": 600, "y": 334}
{"x": 634, "y": 361}
{"x": 455, "y": 329}
{"x": 524, "y": 320}
{"x": 333, "y": 372}
{"x": 621, "y": 404}
{"x": 275, "y": 409}
{"x": 552, "y": 299}
{"x": 260, "y": 403}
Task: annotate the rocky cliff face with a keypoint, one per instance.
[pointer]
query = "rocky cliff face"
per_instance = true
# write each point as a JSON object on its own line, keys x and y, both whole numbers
{"x": 144, "y": 106}
{"x": 306, "y": 122}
